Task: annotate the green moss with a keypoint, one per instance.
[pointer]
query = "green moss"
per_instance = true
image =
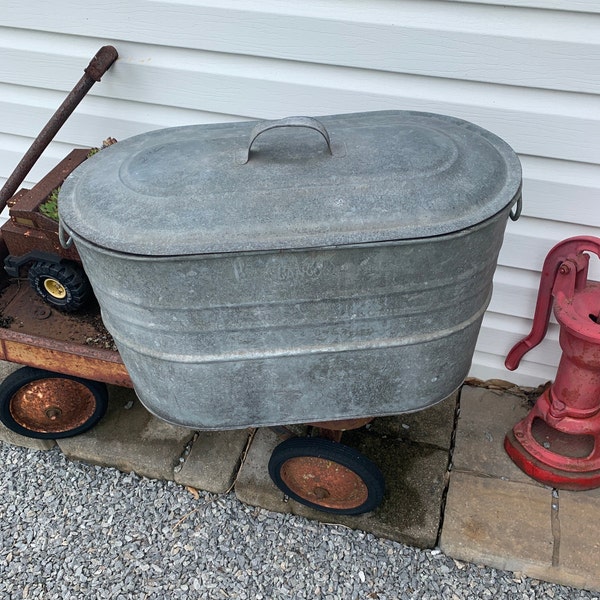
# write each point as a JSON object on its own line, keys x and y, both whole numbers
{"x": 50, "y": 207}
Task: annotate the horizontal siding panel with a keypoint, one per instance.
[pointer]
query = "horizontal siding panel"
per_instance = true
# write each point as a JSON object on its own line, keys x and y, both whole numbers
{"x": 534, "y": 122}
{"x": 514, "y": 46}
{"x": 515, "y": 292}
{"x": 528, "y": 241}
{"x": 12, "y": 149}
{"x": 26, "y": 110}
{"x": 491, "y": 366}
{"x": 561, "y": 190}
{"x": 499, "y": 333}
{"x": 82, "y": 128}
{"x": 591, "y": 6}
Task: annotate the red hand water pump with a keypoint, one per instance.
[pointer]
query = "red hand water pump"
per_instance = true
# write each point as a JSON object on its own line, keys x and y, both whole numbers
{"x": 558, "y": 443}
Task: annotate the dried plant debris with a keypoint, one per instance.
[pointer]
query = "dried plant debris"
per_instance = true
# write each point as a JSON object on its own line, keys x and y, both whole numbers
{"x": 6, "y": 321}
{"x": 101, "y": 341}
{"x": 109, "y": 141}
{"x": 500, "y": 386}
{"x": 102, "y": 338}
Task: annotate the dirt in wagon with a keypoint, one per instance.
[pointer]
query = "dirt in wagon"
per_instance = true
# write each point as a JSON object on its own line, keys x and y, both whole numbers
{"x": 21, "y": 310}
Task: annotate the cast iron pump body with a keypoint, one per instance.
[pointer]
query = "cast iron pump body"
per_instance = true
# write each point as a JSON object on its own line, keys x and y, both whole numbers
{"x": 558, "y": 443}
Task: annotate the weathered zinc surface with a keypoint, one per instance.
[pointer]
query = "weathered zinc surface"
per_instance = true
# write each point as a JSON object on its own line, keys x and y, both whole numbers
{"x": 328, "y": 272}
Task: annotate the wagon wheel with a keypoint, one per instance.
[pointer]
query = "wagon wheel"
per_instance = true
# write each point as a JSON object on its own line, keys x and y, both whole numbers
{"x": 327, "y": 475}
{"x": 45, "y": 405}
{"x": 63, "y": 285}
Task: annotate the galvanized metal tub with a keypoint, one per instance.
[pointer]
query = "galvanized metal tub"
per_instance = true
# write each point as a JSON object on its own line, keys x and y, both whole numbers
{"x": 331, "y": 276}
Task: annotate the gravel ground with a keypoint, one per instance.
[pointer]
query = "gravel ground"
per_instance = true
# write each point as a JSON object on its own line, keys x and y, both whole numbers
{"x": 70, "y": 530}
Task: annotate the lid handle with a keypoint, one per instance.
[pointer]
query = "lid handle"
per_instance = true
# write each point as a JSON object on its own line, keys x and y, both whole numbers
{"x": 308, "y": 122}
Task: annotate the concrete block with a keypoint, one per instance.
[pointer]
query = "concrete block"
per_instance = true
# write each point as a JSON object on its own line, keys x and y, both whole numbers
{"x": 415, "y": 481}
{"x": 10, "y": 437}
{"x": 129, "y": 438}
{"x": 213, "y": 461}
{"x": 578, "y": 533}
{"x": 253, "y": 485}
{"x": 502, "y": 524}
{"x": 485, "y": 418}
{"x": 434, "y": 425}
{"x": 6, "y": 368}
{"x": 415, "y": 478}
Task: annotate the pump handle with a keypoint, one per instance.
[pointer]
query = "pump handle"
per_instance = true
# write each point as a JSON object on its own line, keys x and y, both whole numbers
{"x": 565, "y": 250}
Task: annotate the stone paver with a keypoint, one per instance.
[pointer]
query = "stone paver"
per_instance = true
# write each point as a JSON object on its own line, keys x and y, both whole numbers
{"x": 213, "y": 462}
{"x": 10, "y": 437}
{"x": 579, "y": 536}
{"x": 494, "y": 514}
{"x": 498, "y": 516}
{"x": 6, "y": 368}
{"x": 503, "y": 524}
{"x": 415, "y": 475}
{"x": 253, "y": 485}
{"x": 130, "y": 439}
{"x": 433, "y": 426}
{"x": 485, "y": 418}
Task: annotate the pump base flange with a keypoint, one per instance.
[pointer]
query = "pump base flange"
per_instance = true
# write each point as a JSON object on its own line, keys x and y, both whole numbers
{"x": 558, "y": 478}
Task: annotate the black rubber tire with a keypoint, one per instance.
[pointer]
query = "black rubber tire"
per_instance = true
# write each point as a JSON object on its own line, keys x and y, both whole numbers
{"x": 350, "y": 458}
{"x": 72, "y": 278}
{"x": 26, "y": 375}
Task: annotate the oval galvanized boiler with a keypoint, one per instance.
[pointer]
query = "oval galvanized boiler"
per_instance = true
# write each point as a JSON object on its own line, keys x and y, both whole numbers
{"x": 294, "y": 271}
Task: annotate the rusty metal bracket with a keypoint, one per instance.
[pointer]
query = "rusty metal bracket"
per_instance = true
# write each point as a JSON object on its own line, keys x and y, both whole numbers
{"x": 101, "y": 62}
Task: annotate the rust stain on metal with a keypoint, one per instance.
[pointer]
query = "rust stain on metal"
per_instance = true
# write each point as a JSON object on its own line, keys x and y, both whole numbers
{"x": 88, "y": 365}
{"x": 99, "y": 64}
{"x": 28, "y": 228}
{"x": 58, "y": 342}
{"x": 52, "y": 405}
{"x": 333, "y": 430}
{"x": 324, "y": 482}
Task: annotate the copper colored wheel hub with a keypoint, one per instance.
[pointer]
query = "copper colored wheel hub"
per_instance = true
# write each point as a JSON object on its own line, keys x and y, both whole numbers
{"x": 324, "y": 482}
{"x": 52, "y": 405}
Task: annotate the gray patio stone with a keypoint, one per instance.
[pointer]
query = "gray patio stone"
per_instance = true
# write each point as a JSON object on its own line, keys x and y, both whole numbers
{"x": 130, "y": 439}
{"x": 213, "y": 462}
{"x": 415, "y": 475}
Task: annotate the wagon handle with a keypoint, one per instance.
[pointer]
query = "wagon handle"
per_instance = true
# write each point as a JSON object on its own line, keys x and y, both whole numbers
{"x": 99, "y": 64}
{"x": 308, "y": 122}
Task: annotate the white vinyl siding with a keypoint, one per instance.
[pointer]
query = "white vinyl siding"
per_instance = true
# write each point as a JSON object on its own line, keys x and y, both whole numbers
{"x": 528, "y": 70}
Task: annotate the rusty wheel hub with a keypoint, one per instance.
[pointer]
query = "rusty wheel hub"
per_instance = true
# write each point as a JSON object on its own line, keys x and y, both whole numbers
{"x": 52, "y": 405}
{"x": 324, "y": 482}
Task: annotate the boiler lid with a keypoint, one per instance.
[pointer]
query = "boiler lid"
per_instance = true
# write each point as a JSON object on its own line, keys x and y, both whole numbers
{"x": 346, "y": 179}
